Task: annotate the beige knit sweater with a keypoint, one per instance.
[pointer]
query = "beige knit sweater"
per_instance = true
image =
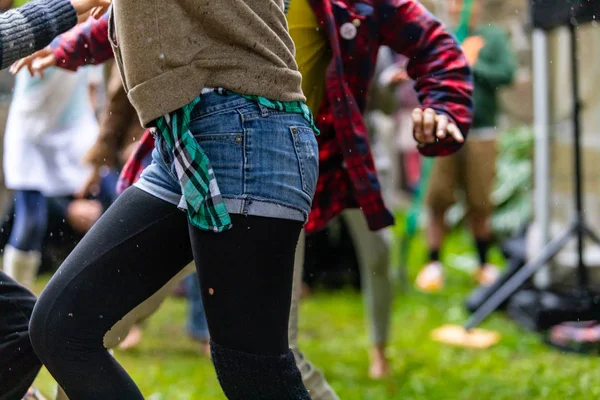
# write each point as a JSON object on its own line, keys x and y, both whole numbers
{"x": 169, "y": 50}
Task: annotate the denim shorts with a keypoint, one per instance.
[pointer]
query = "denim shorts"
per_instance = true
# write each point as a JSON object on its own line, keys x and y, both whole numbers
{"x": 265, "y": 161}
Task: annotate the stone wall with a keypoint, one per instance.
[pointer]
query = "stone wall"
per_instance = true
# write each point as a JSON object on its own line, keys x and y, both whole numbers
{"x": 513, "y": 15}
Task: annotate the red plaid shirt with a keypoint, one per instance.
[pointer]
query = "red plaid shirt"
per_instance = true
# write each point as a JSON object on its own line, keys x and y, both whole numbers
{"x": 347, "y": 176}
{"x": 85, "y": 44}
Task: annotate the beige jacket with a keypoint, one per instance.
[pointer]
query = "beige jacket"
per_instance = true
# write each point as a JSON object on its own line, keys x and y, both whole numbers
{"x": 168, "y": 51}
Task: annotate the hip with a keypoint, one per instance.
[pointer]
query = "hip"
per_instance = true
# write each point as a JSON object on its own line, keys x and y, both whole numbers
{"x": 264, "y": 160}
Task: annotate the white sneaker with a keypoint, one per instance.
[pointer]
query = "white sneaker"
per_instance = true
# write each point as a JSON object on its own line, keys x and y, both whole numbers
{"x": 487, "y": 275}
{"x": 431, "y": 277}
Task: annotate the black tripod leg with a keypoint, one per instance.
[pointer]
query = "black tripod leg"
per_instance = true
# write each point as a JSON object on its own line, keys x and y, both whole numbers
{"x": 515, "y": 282}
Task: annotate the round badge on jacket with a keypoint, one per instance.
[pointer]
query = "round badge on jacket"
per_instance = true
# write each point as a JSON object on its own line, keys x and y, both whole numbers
{"x": 348, "y": 31}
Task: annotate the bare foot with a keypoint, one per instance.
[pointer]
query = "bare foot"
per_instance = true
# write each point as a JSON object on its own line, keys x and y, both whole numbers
{"x": 133, "y": 338}
{"x": 380, "y": 366}
{"x": 82, "y": 214}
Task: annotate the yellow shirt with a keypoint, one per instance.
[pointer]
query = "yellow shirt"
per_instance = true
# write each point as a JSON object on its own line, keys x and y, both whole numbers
{"x": 312, "y": 51}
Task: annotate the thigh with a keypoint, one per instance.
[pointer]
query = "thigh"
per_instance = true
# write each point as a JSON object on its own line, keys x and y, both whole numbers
{"x": 480, "y": 173}
{"x": 246, "y": 282}
{"x": 137, "y": 246}
{"x": 442, "y": 183}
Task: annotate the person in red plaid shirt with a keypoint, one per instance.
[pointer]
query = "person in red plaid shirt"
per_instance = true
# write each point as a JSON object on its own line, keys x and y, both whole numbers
{"x": 337, "y": 46}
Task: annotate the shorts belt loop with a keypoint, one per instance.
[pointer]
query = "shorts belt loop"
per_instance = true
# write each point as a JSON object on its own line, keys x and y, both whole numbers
{"x": 264, "y": 111}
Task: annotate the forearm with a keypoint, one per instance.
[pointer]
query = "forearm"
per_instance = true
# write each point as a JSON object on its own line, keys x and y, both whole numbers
{"x": 87, "y": 44}
{"x": 32, "y": 27}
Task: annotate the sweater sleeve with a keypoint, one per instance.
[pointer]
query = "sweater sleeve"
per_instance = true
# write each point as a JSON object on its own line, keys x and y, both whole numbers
{"x": 32, "y": 27}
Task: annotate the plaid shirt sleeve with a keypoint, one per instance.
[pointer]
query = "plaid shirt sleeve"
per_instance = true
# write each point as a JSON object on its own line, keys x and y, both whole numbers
{"x": 84, "y": 45}
{"x": 443, "y": 78}
{"x": 135, "y": 165}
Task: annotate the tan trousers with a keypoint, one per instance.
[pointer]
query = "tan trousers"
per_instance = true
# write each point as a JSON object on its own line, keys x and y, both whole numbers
{"x": 472, "y": 169}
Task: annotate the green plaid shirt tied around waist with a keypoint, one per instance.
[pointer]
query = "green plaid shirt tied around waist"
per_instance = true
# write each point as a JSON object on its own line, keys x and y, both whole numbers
{"x": 201, "y": 196}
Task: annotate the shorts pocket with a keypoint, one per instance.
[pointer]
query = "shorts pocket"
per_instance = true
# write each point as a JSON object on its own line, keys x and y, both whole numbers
{"x": 225, "y": 151}
{"x": 307, "y": 151}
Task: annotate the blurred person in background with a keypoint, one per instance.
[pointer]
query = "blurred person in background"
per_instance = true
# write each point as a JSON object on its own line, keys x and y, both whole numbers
{"x": 489, "y": 53}
{"x": 337, "y": 53}
{"x": 23, "y": 31}
{"x": 51, "y": 124}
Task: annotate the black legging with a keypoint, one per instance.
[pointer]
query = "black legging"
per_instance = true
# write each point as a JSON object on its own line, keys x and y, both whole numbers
{"x": 18, "y": 363}
{"x": 138, "y": 245}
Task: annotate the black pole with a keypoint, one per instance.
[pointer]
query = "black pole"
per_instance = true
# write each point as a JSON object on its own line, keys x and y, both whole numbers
{"x": 579, "y": 212}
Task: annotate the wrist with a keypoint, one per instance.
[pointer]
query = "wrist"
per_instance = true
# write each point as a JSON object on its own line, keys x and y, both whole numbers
{"x": 81, "y": 6}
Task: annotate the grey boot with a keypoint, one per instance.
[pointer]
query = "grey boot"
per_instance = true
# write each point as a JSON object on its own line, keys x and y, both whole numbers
{"x": 21, "y": 265}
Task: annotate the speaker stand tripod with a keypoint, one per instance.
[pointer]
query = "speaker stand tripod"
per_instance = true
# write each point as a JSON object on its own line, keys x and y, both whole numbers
{"x": 578, "y": 228}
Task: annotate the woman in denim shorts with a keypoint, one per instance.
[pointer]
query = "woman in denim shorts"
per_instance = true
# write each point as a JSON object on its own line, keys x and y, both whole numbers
{"x": 243, "y": 167}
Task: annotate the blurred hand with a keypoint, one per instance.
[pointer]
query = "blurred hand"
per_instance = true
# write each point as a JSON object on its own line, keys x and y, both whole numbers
{"x": 400, "y": 76}
{"x": 82, "y": 214}
{"x": 430, "y": 127}
{"x": 37, "y": 62}
{"x": 393, "y": 75}
{"x": 471, "y": 47}
{"x": 91, "y": 185}
{"x": 97, "y": 7}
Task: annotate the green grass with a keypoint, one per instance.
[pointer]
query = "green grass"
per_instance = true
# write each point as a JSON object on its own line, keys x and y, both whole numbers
{"x": 167, "y": 365}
